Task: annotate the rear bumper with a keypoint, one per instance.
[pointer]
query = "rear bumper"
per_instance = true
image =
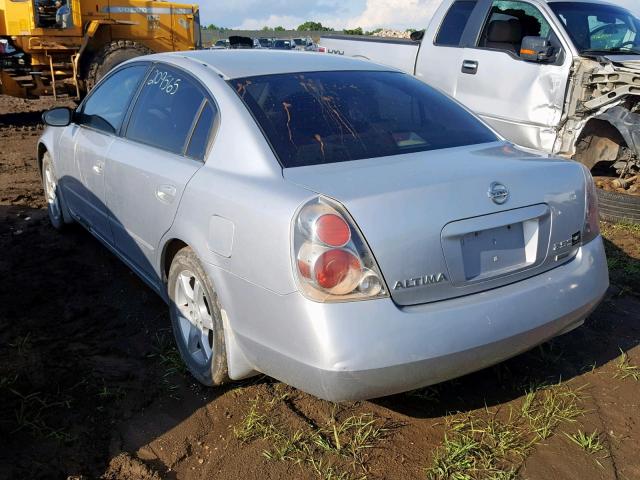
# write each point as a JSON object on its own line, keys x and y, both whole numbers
{"x": 369, "y": 349}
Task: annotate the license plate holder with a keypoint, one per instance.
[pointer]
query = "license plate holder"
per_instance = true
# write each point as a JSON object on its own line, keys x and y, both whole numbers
{"x": 493, "y": 252}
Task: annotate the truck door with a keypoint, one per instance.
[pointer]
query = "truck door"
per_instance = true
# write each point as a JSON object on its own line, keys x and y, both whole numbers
{"x": 522, "y": 100}
{"x": 440, "y": 54}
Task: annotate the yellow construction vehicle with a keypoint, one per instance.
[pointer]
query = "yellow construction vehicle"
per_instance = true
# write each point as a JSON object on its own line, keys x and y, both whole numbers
{"x": 49, "y": 47}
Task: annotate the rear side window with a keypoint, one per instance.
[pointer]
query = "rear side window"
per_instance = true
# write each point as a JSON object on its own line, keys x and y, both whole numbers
{"x": 454, "y": 23}
{"x": 166, "y": 110}
{"x": 199, "y": 140}
{"x": 107, "y": 105}
{"x": 325, "y": 117}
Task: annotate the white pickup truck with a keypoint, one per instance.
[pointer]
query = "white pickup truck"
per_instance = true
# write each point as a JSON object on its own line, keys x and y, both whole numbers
{"x": 558, "y": 76}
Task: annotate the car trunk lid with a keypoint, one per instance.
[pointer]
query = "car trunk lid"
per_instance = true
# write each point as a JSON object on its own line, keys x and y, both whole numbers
{"x": 433, "y": 228}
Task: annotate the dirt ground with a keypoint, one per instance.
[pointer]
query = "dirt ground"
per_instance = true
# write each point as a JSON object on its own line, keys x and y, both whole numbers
{"x": 91, "y": 385}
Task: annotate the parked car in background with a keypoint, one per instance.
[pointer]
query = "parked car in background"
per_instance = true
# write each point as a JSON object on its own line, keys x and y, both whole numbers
{"x": 280, "y": 44}
{"x": 221, "y": 44}
{"x": 304, "y": 44}
{"x": 333, "y": 223}
{"x": 265, "y": 42}
{"x": 556, "y": 76}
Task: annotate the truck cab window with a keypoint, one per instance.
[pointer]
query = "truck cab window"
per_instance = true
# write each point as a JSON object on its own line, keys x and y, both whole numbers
{"x": 509, "y": 22}
{"x": 454, "y": 23}
{"x": 53, "y": 14}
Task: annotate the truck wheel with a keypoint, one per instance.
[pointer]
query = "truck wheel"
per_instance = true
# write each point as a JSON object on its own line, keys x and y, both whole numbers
{"x": 196, "y": 319}
{"x": 618, "y": 207}
{"x": 111, "y": 55}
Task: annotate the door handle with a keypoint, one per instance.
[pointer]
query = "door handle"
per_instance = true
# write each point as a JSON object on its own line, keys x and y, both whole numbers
{"x": 97, "y": 168}
{"x": 470, "y": 67}
{"x": 166, "y": 193}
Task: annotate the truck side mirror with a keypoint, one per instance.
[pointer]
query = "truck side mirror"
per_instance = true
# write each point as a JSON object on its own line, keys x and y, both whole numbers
{"x": 58, "y": 117}
{"x": 537, "y": 49}
{"x": 417, "y": 35}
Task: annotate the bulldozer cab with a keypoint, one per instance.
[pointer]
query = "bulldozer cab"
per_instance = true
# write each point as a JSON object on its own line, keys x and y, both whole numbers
{"x": 39, "y": 17}
{"x": 65, "y": 46}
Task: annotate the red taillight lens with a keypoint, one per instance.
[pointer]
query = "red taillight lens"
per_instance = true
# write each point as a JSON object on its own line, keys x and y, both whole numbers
{"x": 332, "y": 261}
{"x": 338, "y": 268}
{"x": 591, "y": 227}
{"x": 332, "y": 230}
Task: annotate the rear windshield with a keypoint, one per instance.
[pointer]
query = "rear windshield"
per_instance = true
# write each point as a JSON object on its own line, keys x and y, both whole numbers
{"x": 326, "y": 117}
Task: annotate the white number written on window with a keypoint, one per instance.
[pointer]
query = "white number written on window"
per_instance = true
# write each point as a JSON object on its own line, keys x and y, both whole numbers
{"x": 165, "y": 82}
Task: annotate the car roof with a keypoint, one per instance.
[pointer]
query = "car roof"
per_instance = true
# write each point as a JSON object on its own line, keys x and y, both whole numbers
{"x": 250, "y": 63}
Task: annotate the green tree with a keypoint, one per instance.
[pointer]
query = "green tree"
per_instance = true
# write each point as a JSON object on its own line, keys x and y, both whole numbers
{"x": 355, "y": 31}
{"x": 310, "y": 26}
{"x": 279, "y": 28}
{"x": 266, "y": 29}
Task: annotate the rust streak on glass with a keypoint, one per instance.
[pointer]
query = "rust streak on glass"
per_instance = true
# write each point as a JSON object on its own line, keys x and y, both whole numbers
{"x": 286, "y": 107}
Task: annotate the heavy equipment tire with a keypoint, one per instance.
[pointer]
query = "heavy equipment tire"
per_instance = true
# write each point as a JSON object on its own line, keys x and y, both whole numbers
{"x": 196, "y": 319}
{"x": 111, "y": 55}
{"x": 618, "y": 207}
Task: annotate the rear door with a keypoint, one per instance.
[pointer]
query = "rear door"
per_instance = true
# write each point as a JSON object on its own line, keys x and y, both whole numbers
{"x": 522, "y": 100}
{"x": 98, "y": 121}
{"x": 164, "y": 145}
{"x": 441, "y": 50}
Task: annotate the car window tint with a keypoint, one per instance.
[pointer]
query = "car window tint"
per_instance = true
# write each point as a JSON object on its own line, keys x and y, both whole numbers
{"x": 107, "y": 105}
{"x": 325, "y": 117}
{"x": 165, "y": 110}
{"x": 201, "y": 133}
{"x": 454, "y": 23}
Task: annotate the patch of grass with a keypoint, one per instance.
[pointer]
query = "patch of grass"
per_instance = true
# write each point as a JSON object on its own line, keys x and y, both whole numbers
{"x": 590, "y": 443}
{"x": 544, "y": 408}
{"x": 33, "y": 414}
{"x": 335, "y": 451}
{"x": 487, "y": 447}
{"x": 23, "y": 344}
{"x": 624, "y": 270}
{"x": 430, "y": 394}
{"x": 476, "y": 448}
{"x": 626, "y": 369}
{"x": 169, "y": 358}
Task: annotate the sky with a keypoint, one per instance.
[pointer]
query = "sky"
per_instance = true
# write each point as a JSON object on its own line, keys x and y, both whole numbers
{"x": 368, "y": 14}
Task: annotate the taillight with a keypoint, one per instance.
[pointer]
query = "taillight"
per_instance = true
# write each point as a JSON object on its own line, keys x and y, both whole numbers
{"x": 322, "y": 49}
{"x": 591, "y": 227}
{"x": 332, "y": 262}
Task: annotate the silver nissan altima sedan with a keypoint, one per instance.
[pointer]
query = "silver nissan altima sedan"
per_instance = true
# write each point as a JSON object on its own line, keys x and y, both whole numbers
{"x": 335, "y": 224}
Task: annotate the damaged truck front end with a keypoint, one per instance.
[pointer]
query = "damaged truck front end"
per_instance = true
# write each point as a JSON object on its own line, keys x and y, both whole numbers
{"x": 602, "y": 115}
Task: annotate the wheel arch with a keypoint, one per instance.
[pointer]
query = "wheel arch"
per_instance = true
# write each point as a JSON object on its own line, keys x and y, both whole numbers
{"x": 238, "y": 367}
{"x": 42, "y": 149}
{"x": 169, "y": 250}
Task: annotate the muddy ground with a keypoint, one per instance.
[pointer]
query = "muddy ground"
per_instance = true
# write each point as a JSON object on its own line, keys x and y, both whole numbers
{"x": 91, "y": 385}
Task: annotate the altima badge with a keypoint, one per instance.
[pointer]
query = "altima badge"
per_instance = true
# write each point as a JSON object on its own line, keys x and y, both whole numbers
{"x": 420, "y": 281}
{"x": 498, "y": 193}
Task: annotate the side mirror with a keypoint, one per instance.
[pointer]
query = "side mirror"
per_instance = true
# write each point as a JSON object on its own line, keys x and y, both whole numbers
{"x": 417, "y": 35}
{"x": 58, "y": 117}
{"x": 537, "y": 49}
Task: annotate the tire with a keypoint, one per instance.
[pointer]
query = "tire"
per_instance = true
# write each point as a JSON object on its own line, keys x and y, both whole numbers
{"x": 618, "y": 207}
{"x": 111, "y": 55}
{"x": 196, "y": 319}
{"x": 55, "y": 204}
